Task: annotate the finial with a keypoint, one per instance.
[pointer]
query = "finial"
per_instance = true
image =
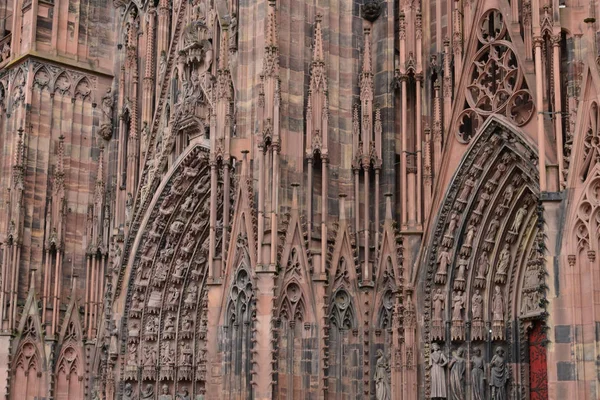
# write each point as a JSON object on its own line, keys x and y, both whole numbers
{"x": 342, "y": 206}
{"x": 295, "y": 196}
{"x": 388, "y": 206}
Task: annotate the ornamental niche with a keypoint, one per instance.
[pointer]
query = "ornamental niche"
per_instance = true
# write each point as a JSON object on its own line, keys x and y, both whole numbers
{"x": 496, "y": 82}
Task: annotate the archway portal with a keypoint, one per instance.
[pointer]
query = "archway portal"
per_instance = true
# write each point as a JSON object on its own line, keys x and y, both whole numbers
{"x": 482, "y": 283}
{"x": 165, "y": 318}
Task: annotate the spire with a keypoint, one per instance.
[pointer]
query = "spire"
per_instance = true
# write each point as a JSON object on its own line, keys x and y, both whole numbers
{"x": 367, "y": 60}
{"x": 318, "y": 45}
{"x": 271, "y": 29}
{"x": 224, "y": 50}
{"x": 100, "y": 176}
{"x": 271, "y": 59}
{"x": 61, "y": 154}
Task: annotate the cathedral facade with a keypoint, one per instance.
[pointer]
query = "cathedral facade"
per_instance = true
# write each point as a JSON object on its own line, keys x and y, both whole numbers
{"x": 299, "y": 199}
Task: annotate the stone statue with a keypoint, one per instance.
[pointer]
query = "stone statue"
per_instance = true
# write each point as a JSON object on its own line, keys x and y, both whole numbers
{"x": 477, "y": 376}
{"x": 458, "y": 303}
{"x": 162, "y": 63}
{"x": 233, "y": 32}
{"x": 437, "y": 365}
{"x": 186, "y": 354}
{"x": 128, "y": 207}
{"x": 466, "y": 191}
{"x": 149, "y": 356}
{"x": 107, "y": 104}
{"x": 492, "y": 229}
{"x": 438, "y": 305}
{"x": 518, "y": 219}
{"x": 470, "y": 236}
{"x": 477, "y": 305}
{"x": 483, "y": 265}
{"x": 168, "y": 354}
{"x": 498, "y": 375}
{"x": 503, "y": 264}
{"x": 165, "y": 393}
{"x": 497, "y": 305}
{"x": 173, "y": 295}
{"x": 452, "y": 224}
{"x": 483, "y": 199}
{"x": 131, "y": 357}
{"x": 382, "y": 382}
{"x": 458, "y": 366}
{"x": 148, "y": 393}
{"x": 507, "y": 196}
{"x": 169, "y": 323}
{"x": 444, "y": 261}
{"x": 183, "y": 395}
{"x": 128, "y": 392}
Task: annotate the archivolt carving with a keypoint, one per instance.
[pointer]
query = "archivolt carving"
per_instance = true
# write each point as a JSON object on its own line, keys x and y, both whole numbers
{"x": 165, "y": 314}
{"x": 497, "y": 84}
{"x": 481, "y": 244}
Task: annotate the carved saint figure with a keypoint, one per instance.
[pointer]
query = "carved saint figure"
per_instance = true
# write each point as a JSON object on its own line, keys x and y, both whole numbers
{"x": 492, "y": 229}
{"x": 168, "y": 354}
{"x": 457, "y": 366}
{"x": 131, "y": 357}
{"x": 437, "y": 364}
{"x": 165, "y": 394}
{"x": 483, "y": 199}
{"x": 173, "y": 295}
{"x": 458, "y": 303}
{"x": 498, "y": 375}
{"x": 464, "y": 194}
{"x": 470, "y": 236}
{"x": 503, "y": 263}
{"x": 438, "y": 305}
{"x": 497, "y": 305}
{"x": 508, "y": 194}
{"x": 148, "y": 393}
{"x": 162, "y": 64}
{"x": 444, "y": 261}
{"x": 169, "y": 323}
{"x": 128, "y": 392}
{"x": 477, "y": 375}
{"x": 382, "y": 382}
{"x": 521, "y": 212}
{"x": 186, "y": 354}
{"x": 477, "y": 306}
{"x": 452, "y": 225}
{"x": 190, "y": 298}
{"x": 483, "y": 265}
{"x": 107, "y": 104}
{"x": 149, "y": 356}
{"x": 128, "y": 207}
{"x": 183, "y": 395}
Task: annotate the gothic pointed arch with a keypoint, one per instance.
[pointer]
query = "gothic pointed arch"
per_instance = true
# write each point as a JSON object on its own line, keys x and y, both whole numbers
{"x": 29, "y": 361}
{"x": 344, "y": 319}
{"x": 165, "y": 304}
{"x": 70, "y": 369}
{"x": 63, "y": 84}
{"x": 295, "y": 315}
{"x": 483, "y": 244}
